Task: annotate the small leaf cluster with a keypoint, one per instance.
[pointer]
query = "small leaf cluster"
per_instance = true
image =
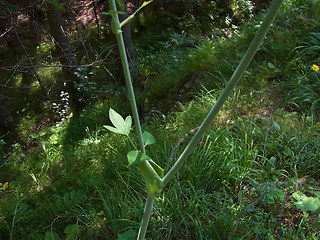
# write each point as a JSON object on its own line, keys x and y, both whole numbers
{"x": 123, "y": 126}
{"x": 70, "y": 199}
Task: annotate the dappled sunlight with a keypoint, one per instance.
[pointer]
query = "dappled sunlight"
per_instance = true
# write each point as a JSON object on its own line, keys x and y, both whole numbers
{"x": 69, "y": 173}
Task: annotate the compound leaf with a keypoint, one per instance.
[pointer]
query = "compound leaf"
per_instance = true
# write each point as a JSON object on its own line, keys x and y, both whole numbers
{"x": 121, "y": 126}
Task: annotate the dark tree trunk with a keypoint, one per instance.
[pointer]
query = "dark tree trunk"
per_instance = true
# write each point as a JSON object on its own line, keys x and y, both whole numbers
{"x": 5, "y": 113}
{"x": 66, "y": 57}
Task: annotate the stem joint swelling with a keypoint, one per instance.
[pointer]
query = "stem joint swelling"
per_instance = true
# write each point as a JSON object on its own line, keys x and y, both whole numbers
{"x": 153, "y": 181}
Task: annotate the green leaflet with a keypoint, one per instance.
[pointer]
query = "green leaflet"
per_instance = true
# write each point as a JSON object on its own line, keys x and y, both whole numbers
{"x": 72, "y": 231}
{"x": 121, "y": 126}
{"x": 51, "y": 236}
{"x": 148, "y": 138}
{"x": 128, "y": 235}
{"x": 135, "y": 157}
{"x": 305, "y": 203}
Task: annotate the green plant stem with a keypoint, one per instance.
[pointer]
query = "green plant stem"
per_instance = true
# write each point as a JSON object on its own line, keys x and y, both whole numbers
{"x": 153, "y": 181}
{"x": 147, "y": 170}
{"x": 132, "y": 15}
{"x": 244, "y": 63}
{"x": 127, "y": 76}
{"x": 146, "y": 217}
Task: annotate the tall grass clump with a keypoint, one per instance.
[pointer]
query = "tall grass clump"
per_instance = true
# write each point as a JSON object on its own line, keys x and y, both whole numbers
{"x": 303, "y": 89}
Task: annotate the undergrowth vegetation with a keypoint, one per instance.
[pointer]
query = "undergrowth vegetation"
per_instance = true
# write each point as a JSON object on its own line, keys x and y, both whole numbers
{"x": 255, "y": 175}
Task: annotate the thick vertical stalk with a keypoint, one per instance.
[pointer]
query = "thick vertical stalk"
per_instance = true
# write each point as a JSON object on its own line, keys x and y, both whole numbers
{"x": 153, "y": 181}
{"x": 245, "y": 61}
{"x": 147, "y": 170}
{"x": 146, "y": 217}
{"x": 127, "y": 76}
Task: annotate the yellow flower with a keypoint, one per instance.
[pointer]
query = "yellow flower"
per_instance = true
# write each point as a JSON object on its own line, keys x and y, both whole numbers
{"x": 315, "y": 67}
{"x": 5, "y": 186}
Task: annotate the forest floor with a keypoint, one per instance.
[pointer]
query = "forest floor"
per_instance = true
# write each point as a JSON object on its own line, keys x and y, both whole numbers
{"x": 254, "y": 175}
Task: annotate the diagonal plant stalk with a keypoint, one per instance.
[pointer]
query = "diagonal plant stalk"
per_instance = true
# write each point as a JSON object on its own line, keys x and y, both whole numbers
{"x": 244, "y": 63}
{"x": 153, "y": 181}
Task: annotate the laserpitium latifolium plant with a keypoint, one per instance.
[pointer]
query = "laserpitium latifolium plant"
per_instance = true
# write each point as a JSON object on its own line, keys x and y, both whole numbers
{"x": 153, "y": 174}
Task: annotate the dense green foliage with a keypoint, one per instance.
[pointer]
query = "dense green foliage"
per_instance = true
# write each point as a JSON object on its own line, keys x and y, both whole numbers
{"x": 245, "y": 180}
